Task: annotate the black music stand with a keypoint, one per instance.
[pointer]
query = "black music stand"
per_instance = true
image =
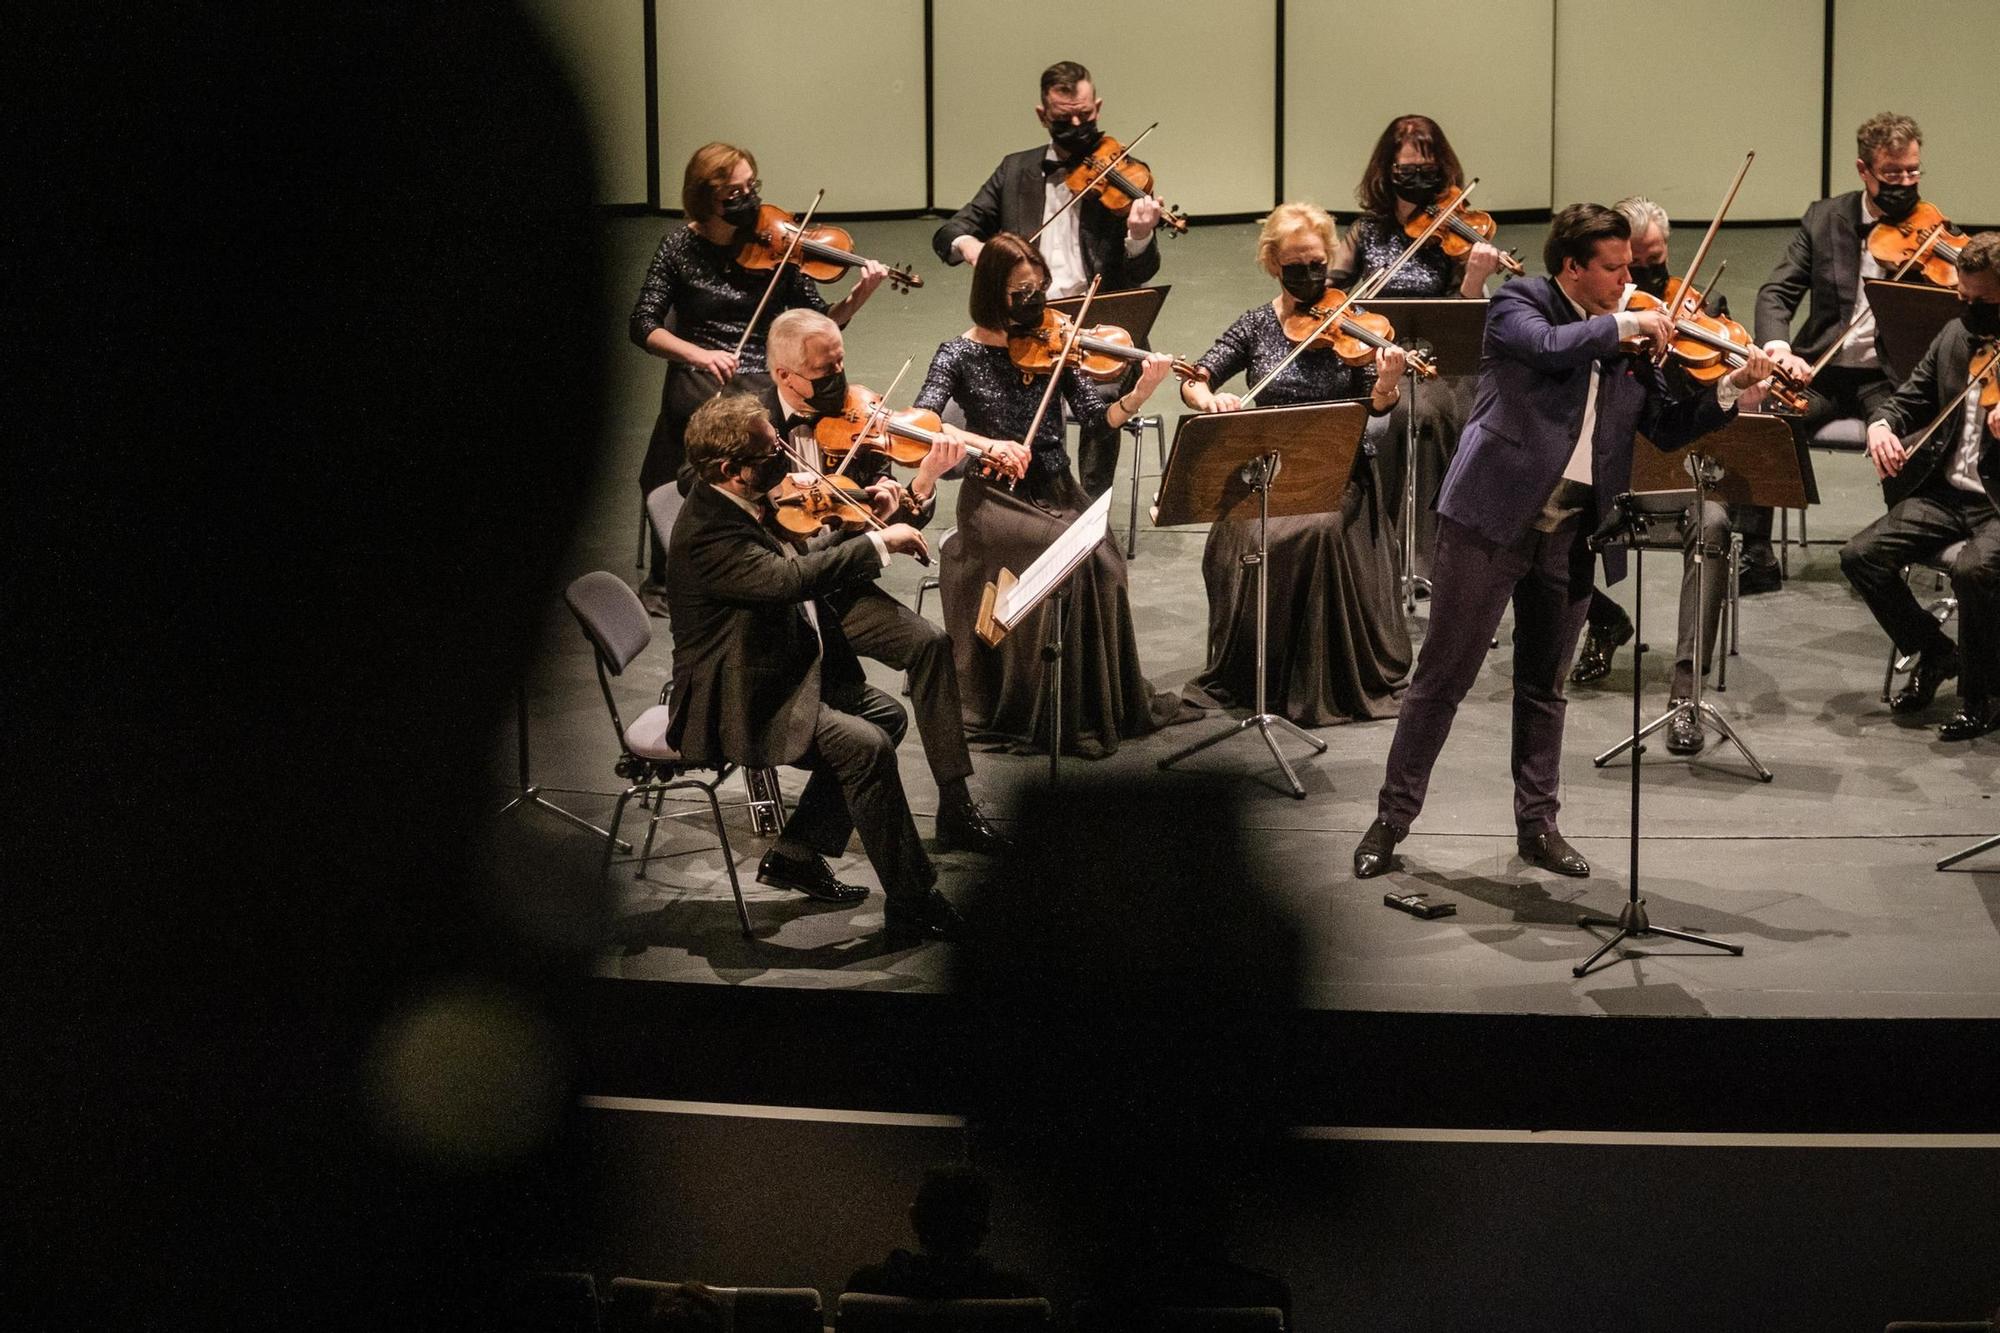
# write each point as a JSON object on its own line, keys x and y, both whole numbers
{"x": 1629, "y": 526}
{"x": 1908, "y": 316}
{"x": 1289, "y": 461}
{"x": 1754, "y": 460}
{"x": 1009, "y": 600}
{"x": 528, "y": 792}
{"x": 1451, "y": 332}
{"x": 1133, "y": 310}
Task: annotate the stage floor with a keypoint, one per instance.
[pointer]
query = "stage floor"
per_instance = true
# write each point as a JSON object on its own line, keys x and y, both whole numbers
{"x": 1824, "y": 875}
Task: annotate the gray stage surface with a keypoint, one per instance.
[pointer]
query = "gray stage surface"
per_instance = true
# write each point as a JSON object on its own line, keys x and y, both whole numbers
{"x": 1825, "y": 875}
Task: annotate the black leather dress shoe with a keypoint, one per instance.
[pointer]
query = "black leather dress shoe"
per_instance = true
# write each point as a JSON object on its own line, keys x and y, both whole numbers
{"x": 810, "y": 877}
{"x": 1593, "y": 661}
{"x": 1969, "y": 722}
{"x": 931, "y": 917}
{"x": 1684, "y": 734}
{"x": 1934, "y": 668}
{"x": 1550, "y": 851}
{"x": 1375, "y": 854}
{"x": 1757, "y": 579}
{"x": 965, "y": 828}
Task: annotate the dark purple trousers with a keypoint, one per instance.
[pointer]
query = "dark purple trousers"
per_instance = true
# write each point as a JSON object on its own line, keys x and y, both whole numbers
{"x": 1548, "y": 577}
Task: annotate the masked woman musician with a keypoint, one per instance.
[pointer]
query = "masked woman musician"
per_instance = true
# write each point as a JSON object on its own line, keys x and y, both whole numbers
{"x": 695, "y": 283}
{"x": 1341, "y": 646}
{"x": 1106, "y": 694}
{"x": 1411, "y": 165}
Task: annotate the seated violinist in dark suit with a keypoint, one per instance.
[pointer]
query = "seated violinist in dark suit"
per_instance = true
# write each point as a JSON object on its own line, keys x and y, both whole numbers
{"x": 1943, "y": 490}
{"x": 763, "y": 674}
{"x": 1026, "y": 190}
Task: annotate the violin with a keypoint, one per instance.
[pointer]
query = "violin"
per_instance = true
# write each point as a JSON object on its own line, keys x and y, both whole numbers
{"x": 1355, "y": 337}
{"x": 1466, "y": 228}
{"x": 823, "y": 254}
{"x": 1102, "y": 352}
{"x": 1118, "y": 183}
{"x": 1709, "y": 346}
{"x": 1924, "y": 235}
{"x": 803, "y": 508}
{"x": 906, "y": 435}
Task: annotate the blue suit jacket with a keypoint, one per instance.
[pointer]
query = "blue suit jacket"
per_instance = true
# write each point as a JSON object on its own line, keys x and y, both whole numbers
{"x": 1534, "y": 375}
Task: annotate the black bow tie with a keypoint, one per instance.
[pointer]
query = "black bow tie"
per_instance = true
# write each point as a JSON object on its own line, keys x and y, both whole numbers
{"x": 1055, "y": 166}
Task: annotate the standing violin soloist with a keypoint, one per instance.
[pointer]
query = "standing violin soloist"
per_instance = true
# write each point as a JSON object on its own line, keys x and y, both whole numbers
{"x": 1548, "y": 445}
{"x": 695, "y": 285}
{"x": 1410, "y": 167}
{"x": 1088, "y": 240}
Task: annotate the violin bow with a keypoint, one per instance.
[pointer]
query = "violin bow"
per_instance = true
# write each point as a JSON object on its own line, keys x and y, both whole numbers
{"x": 1973, "y": 383}
{"x": 1682, "y": 303}
{"x": 1062, "y": 362}
{"x": 776, "y": 274}
{"x": 875, "y": 413}
{"x": 1867, "y": 316}
{"x": 1109, "y": 167}
{"x": 1370, "y": 288}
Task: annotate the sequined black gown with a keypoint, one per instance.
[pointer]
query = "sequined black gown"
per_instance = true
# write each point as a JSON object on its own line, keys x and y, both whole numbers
{"x": 695, "y": 289}
{"x": 1339, "y": 648}
{"x": 1443, "y": 404}
{"x": 1106, "y": 696}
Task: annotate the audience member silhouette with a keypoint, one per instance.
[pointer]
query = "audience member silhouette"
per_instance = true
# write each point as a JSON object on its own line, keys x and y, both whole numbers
{"x": 950, "y": 1216}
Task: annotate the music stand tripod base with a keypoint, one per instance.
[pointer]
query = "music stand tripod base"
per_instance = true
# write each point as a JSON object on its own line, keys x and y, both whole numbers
{"x": 1631, "y": 924}
{"x": 528, "y": 792}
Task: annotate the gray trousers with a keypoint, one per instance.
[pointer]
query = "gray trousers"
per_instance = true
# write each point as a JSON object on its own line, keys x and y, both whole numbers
{"x": 882, "y": 628}
{"x": 1547, "y": 576}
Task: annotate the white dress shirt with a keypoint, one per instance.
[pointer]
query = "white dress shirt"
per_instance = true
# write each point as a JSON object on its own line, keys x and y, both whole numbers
{"x": 1061, "y": 242}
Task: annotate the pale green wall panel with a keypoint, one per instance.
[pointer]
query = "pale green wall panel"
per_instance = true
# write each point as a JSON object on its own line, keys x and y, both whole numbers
{"x": 1483, "y": 73}
{"x": 602, "y": 44}
{"x": 824, "y": 94}
{"x": 1205, "y": 72}
{"x": 1759, "y": 83}
{"x": 1934, "y": 62}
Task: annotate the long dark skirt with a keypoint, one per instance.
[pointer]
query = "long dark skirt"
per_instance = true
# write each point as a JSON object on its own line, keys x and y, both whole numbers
{"x": 1106, "y": 696}
{"x": 681, "y": 391}
{"x": 1442, "y": 408}
{"x": 1339, "y": 645}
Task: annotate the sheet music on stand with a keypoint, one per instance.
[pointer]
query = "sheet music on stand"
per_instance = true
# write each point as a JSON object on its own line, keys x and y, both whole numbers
{"x": 1908, "y": 316}
{"x": 1132, "y": 310}
{"x": 1011, "y": 598}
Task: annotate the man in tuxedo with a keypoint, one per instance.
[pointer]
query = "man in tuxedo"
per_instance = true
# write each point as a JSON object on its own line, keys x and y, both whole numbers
{"x": 1547, "y": 447}
{"x": 1943, "y": 489}
{"x": 1087, "y": 241}
{"x": 1824, "y": 264}
{"x": 763, "y": 674}
{"x": 808, "y": 362}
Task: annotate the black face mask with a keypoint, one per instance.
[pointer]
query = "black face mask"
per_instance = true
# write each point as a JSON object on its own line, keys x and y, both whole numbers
{"x": 829, "y": 393}
{"x": 1650, "y": 279}
{"x": 1025, "y": 309}
{"x": 1074, "y": 140}
{"x": 1304, "y": 283}
{"x": 768, "y": 472}
{"x": 1982, "y": 319}
{"x": 741, "y": 213}
{"x": 1417, "y": 182}
{"x": 1896, "y": 202}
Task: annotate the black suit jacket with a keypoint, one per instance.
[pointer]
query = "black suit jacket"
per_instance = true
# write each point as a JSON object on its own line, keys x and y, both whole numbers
{"x": 1823, "y": 259}
{"x": 1012, "y": 199}
{"x": 749, "y": 672}
{"x": 1938, "y": 379}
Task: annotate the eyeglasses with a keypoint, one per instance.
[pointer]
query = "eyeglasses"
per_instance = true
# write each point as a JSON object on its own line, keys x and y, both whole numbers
{"x": 1894, "y": 176}
{"x": 1024, "y": 291}
{"x": 733, "y": 193}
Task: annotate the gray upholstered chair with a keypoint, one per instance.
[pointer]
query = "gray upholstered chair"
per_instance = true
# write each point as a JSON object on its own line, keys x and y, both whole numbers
{"x": 1842, "y": 435}
{"x": 857, "y": 1312}
{"x": 1943, "y": 605}
{"x": 618, "y": 629}
{"x": 745, "y": 1309}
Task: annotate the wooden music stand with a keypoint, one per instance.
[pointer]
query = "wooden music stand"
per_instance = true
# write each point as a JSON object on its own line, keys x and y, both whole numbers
{"x": 1452, "y": 332}
{"x": 1288, "y": 461}
{"x": 1908, "y": 316}
{"x": 1009, "y": 599}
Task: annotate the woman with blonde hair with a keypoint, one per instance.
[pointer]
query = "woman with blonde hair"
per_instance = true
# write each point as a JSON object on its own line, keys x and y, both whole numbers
{"x": 1339, "y": 644}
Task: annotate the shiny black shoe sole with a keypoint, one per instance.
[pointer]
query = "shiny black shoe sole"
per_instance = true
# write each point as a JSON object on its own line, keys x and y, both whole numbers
{"x": 1542, "y": 861}
{"x": 846, "y": 896}
{"x": 1592, "y": 666}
